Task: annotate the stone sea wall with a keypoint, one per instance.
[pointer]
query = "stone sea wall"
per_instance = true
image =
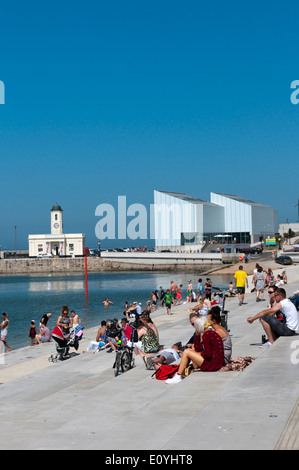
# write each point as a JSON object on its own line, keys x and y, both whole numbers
{"x": 95, "y": 264}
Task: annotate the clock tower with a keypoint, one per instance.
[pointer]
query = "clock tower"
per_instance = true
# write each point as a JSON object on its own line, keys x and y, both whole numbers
{"x": 56, "y": 220}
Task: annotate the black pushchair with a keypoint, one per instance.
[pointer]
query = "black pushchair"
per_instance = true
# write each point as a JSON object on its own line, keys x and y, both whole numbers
{"x": 223, "y": 313}
{"x": 63, "y": 344}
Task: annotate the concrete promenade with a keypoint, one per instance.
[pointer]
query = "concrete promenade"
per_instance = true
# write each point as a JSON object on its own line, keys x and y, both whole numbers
{"x": 79, "y": 404}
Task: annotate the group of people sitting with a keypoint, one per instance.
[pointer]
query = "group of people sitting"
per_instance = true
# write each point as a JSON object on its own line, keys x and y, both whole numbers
{"x": 65, "y": 321}
{"x": 144, "y": 337}
{"x": 209, "y": 348}
{"x": 44, "y": 334}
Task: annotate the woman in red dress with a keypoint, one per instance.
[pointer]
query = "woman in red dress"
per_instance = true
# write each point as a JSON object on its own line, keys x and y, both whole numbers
{"x": 207, "y": 352}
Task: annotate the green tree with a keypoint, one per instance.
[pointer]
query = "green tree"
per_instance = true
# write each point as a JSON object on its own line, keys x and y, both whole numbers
{"x": 289, "y": 234}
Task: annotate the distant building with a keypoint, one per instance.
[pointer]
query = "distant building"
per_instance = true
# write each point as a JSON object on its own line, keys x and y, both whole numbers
{"x": 284, "y": 228}
{"x": 186, "y": 222}
{"x": 57, "y": 243}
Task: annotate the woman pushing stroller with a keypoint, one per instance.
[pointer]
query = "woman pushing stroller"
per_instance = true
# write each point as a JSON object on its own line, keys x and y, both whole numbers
{"x": 64, "y": 321}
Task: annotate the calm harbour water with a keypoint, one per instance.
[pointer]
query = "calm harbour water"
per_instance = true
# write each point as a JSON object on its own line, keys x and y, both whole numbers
{"x": 26, "y": 298}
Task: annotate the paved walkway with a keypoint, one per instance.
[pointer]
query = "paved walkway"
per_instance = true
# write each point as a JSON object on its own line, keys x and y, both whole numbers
{"x": 79, "y": 404}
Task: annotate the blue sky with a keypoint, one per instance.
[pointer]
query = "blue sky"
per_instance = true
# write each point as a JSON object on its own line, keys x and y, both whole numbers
{"x": 123, "y": 97}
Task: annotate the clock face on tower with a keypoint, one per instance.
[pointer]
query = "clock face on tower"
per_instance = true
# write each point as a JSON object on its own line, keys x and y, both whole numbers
{"x": 56, "y": 225}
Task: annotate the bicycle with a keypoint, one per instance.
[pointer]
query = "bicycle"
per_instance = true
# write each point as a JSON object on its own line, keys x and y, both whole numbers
{"x": 125, "y": 359}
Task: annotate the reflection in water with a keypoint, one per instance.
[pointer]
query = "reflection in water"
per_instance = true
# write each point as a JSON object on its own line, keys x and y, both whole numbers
{"x": 56, "y": 286}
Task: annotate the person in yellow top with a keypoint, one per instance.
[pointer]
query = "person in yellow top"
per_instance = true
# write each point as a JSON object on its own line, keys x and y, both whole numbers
{"x": 240, "y": 280}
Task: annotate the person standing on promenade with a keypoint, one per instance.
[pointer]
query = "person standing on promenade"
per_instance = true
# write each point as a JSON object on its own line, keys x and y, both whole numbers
{"x": 154, "y": 301}
{"x": 259, "y": 280}
{"x": 44, "y": 319}
{"x": 168, "y": 301}
{"x": 273, "y": 327}
{"x": 76, "y": 318}
{"x": 189, "y": 291}
{"x": 162, "y": 293}
{"x": 64, "y": 321}
{"x": 32, "y": 332}
{"x": 173, "y": 291}
{"x": 208, "y": 289}
{"x": 241, "y": 278}
{"x": 200, "y": 289}
{"x": 179, "y": 294}
{"x": 4, "y": 326}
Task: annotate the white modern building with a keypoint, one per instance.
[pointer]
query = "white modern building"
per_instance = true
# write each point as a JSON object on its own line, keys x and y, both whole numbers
{"x": 57, "y": 243}
{"x": 247, "y": 220}
{"x": 182, "y": 220}
{"x": 187, "y": 222}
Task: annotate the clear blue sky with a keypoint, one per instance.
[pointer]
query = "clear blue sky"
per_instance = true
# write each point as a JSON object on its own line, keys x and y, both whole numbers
{"x": 108, "y": 98}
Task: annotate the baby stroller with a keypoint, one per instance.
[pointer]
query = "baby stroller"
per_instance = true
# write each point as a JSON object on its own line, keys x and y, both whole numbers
{"x": 223, "y": 313}
{"x": 63, "y": 344}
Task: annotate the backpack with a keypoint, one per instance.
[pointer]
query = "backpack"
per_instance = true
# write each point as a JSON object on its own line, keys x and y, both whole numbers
{"x": 166, "y": 371}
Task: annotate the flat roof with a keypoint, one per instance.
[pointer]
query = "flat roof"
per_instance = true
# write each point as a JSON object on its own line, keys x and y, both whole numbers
{"x": 187, "y": 197}
{"x": 241, "y": 199}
